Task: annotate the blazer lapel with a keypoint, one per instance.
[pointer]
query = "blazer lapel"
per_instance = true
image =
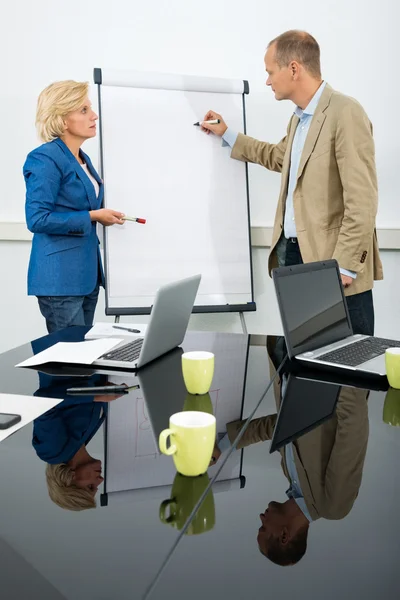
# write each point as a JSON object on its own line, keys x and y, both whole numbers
{"x": 313, "y": 133}
{"x": 286, "y": 164}
{"x": 90, "y": 191}
{"x": 93, "y": 172}
{"x": 88, "y": 185}
{"x": 315, "y": 128}
{"x": 101, "y": 195}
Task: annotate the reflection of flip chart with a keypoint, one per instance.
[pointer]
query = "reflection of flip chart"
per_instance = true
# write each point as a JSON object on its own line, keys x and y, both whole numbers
{"x": 133, "y": 458}
{"x": 162, "y": 492}
{"x": 145, "y": 440}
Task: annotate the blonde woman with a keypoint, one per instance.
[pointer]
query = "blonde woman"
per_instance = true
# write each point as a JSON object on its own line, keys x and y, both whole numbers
{"x": 64, "y": 195}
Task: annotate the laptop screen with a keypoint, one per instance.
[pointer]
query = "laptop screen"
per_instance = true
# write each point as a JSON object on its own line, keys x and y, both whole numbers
{"x": 312, "y": 306}
{"x": 306, "y": 404}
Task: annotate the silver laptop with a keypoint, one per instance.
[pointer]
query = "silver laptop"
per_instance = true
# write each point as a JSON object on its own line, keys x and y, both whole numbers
{"x": 316, "y": 320}
{"x": 167, "y": 326}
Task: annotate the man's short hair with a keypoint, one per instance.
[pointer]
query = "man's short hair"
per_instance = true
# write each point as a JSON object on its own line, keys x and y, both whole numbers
{"x": 299, "y": 46}
{"x": 290, "y": 553}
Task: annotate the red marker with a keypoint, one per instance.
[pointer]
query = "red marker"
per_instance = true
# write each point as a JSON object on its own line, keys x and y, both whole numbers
{"x": 134, "y": 219}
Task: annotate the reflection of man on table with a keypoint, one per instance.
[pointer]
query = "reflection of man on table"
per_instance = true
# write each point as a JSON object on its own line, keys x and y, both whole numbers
{"x": 324, "y": 469}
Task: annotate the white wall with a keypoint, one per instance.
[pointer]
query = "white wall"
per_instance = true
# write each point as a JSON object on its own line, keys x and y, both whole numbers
{"x": 47, "y": 41}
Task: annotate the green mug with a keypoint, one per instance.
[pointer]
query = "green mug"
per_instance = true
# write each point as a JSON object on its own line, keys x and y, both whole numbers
{"x": 391, "y": 408}
{"x": 185, "y": 493}
{"x": 198, "y": 371}
{"x": 192, "y": 434}
{"x": 392, "y": 360}
{"x": 198, "y": 402}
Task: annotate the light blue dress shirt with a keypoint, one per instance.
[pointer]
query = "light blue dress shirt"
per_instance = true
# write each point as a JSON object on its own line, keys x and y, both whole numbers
{"x": 294, "y": 490}
{"x": 224, "y": 442}
{"x": 305, "y": 117}
{"x": 229, "y": 138}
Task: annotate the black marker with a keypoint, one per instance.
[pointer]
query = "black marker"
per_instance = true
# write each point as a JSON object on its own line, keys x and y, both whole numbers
{"x": 212, "y": 122}
{"x": 127, "y": 329}
{"x": 102, "y": 389}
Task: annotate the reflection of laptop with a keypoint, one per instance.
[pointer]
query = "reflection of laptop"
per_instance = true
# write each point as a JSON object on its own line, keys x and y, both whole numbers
{"x": 306, "y": 404}
{"x": 167, "y": 326}
{"x": 316, "y": 320}
{"x": 163, "y": 389}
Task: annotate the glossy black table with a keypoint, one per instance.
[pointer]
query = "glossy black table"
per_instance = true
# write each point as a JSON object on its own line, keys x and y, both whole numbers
{"x": 117, "y": 549}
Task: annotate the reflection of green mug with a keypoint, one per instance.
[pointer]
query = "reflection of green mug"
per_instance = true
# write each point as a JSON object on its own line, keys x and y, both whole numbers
{"x": 391, "y": 408}
{"x": 185, "y": 493}
{"x": 199, "y": 402}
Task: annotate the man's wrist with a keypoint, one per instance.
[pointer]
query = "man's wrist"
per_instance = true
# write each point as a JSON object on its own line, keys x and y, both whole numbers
{"x": 230, "y": 137}
{"x": 351, "y": 274}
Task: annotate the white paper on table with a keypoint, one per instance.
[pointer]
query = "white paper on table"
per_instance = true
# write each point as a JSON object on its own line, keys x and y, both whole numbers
{"x": 101, "y": 330}
{"x": 72, "y": 352}
{"x": 28, "y": 407}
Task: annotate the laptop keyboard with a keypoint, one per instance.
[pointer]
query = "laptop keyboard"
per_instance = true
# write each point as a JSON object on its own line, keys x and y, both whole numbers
{"x": 359, "y": 352}
{"x": 127, "y": 353}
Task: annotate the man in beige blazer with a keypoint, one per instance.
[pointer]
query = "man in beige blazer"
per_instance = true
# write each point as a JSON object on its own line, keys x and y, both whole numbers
{"x": 328, "y": 198}
{"x": 324, "y": 469}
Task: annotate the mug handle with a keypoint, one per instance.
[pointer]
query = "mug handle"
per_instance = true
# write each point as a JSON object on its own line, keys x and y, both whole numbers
{"x": 163, "y": 442}
{"x": 163, "y": 508}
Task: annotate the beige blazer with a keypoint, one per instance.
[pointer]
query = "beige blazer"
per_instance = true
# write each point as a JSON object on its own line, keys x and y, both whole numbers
{"x": 329, "y": 459}
{"x": 336, "y": 198}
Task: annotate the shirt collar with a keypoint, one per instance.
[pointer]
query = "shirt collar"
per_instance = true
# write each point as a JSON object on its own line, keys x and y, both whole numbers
{"x": 301, "y": 503}
{"x": 312, "y": 105}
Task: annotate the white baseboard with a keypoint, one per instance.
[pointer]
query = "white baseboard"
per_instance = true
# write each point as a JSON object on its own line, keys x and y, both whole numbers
{"x": 389, "y": 239}
{"x": 15, "y": 232}
{"x": 261, "y": 235}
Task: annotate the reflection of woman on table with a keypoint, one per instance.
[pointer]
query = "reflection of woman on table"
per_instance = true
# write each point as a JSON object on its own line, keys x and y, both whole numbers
{"x": 60, "y": 438}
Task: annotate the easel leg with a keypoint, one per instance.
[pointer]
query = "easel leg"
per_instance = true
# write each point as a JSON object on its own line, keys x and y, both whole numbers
{"x": 243, "y": 322}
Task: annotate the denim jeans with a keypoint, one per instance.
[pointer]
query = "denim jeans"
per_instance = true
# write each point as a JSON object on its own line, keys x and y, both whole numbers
{"x": 64, "y": 311}
{"x": 361, "y": 306}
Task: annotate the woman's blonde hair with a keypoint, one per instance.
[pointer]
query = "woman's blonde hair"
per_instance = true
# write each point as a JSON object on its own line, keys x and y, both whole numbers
{"x": 54, "y": 103}
{"x": 64, "y": 492}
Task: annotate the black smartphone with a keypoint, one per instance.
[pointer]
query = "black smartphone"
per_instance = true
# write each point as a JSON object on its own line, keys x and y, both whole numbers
{"x": 7, "y": 420}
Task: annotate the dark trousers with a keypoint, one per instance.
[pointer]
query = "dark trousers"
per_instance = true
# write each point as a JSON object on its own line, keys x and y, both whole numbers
{"x": 65, "y": 311}
{"x": 361, "y": 306}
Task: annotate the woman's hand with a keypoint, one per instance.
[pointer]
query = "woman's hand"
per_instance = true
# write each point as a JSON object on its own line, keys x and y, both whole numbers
{"x": 107, "y": 216}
